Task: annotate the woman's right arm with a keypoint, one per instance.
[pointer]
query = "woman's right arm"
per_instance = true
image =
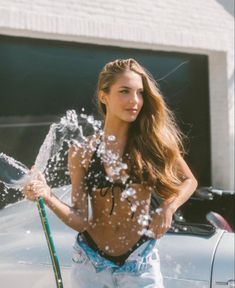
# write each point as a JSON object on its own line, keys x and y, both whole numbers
{"x": 75, "y": 216}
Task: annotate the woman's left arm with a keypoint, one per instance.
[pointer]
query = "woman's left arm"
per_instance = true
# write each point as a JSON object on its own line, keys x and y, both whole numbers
{"x": 162, "y": 218}
{"x": 188, "y": 186}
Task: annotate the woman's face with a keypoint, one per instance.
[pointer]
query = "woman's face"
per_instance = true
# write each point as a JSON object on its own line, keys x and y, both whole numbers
{"x": 125, "y": 98}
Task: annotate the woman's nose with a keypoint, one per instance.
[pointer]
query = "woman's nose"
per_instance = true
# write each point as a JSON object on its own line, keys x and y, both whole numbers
{"x": 134, "y": 98}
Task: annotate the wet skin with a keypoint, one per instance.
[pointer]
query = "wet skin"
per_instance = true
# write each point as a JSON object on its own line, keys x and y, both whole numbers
{"x": 117, "y": 233}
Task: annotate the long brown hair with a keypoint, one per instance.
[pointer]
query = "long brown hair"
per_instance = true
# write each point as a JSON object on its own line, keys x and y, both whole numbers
{"x": 154, "y": 139}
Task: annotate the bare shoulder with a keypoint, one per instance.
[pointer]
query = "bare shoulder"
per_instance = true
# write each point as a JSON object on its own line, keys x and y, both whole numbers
{"x": 81, "y": 155}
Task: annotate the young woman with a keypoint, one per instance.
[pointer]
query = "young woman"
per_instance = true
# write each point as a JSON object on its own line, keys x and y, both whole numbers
{"x": 116, "y": 247}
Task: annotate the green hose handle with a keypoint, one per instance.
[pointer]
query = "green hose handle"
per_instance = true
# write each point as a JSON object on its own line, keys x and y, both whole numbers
{"x": 50, "y": 243}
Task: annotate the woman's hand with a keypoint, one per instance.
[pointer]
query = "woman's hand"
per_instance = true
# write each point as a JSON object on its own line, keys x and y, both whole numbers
{"x": 162, "y": 219}
{"x": 37, "y": 187}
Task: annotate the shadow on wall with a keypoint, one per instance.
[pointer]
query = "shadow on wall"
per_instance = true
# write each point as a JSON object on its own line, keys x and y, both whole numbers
{"x": 228, "y": 5}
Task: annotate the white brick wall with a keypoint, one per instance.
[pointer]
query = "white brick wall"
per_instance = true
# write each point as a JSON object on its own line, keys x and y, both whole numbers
{"x": 194, "y": 26}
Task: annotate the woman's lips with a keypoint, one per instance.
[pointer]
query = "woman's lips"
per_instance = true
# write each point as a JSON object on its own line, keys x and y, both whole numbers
{"x": 132, "y": 110}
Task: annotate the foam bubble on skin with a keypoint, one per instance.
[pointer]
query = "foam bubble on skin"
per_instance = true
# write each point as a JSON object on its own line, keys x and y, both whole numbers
{"x": 111, "y": 138}
{"x": 129, "y": 192}
{"x": 133, "y": 207}
{"x": 158, "y": 211}
{"x": 149, "y": 233}
{"x": 112, "y": 160}
{"x": 143, "y": 219}
{"x": 142, "y": 232}
{"x": 124, "y": 178}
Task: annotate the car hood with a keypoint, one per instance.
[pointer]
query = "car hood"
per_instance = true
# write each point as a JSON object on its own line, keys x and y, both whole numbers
{"x": 22, "y": 239}
{"x": 188, "y": 256}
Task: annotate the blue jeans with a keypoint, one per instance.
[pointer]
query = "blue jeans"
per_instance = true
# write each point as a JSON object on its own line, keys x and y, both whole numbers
{"x": 140, "y": 270}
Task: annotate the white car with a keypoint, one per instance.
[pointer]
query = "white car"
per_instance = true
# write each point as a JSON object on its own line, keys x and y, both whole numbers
{"x": 188, "y": 260}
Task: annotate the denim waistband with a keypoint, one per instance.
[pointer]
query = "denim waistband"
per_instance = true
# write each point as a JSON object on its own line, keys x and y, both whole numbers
{"x": 135, "y": 262}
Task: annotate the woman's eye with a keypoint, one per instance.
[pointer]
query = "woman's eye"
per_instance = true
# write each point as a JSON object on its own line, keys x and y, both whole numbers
{"x": 124, "y": 91}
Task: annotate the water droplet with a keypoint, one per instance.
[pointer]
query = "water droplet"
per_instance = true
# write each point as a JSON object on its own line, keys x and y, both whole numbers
{"x": 129, "y": 192}
{"x": 111, "y": 138}
{"x": 158, "y": 211}
{"x": 143, "y": 219}
{"x": 133, "y": 207}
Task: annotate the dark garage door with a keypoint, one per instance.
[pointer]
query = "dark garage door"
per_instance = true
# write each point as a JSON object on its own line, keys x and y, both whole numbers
{"x": 41, "y": 79}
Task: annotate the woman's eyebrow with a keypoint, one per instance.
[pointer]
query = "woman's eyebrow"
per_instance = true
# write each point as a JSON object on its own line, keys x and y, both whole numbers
{"x": 126, "y": 87}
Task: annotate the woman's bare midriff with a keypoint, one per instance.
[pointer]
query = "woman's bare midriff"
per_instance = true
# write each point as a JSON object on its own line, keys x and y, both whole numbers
{"x": 115, "y": 234}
